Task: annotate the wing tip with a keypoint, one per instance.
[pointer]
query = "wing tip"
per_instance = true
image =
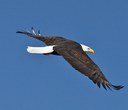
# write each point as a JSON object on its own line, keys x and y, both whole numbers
{"x": 116, "y": 87}
{"x": 28, "y": 32}
{"x": 110, "y": 86}
{"x": 23, "y": 32}
{"x": 19, "y": 32}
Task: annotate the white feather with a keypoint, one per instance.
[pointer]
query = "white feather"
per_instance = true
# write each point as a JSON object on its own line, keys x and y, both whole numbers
{"x": 84, "y": 47}
{"x": 40, "y": 50}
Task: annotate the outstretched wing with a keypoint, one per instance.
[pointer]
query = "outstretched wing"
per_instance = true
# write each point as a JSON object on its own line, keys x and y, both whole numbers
{"x": 78, "y": 59}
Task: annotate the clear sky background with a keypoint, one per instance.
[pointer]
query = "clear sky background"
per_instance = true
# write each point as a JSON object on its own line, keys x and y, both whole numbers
{"x": 37, "y": 82}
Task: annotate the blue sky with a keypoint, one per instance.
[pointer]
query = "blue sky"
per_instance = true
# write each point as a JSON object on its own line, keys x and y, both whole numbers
{"x": 36, "y": 82}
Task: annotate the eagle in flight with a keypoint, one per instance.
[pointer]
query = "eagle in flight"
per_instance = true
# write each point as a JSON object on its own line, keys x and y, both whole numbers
{"x": 74, "y": 53}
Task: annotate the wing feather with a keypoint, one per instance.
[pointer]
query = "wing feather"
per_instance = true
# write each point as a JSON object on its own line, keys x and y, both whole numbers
{"x": 79, "y": 60}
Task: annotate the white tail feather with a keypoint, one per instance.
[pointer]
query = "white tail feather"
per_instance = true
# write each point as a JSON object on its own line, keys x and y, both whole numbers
{"x": 40, "y": 50}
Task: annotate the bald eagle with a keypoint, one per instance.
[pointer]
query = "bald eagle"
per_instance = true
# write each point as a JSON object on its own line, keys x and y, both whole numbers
{"x": 74, "y": 53}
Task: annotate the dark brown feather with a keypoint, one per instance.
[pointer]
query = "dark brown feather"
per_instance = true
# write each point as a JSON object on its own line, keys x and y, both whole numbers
{"x": 48, "y": 40}
{"x": 73, "y": 53}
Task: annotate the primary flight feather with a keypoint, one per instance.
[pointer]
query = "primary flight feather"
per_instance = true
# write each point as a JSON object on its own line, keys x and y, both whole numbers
{"x": 74, "y": 53}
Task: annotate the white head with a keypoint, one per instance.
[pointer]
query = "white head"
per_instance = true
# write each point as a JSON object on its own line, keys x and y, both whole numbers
{"x": 86, "y": 48}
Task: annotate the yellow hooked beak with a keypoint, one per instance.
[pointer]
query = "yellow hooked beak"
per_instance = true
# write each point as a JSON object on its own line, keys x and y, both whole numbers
{"x": 91, "y": 50}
